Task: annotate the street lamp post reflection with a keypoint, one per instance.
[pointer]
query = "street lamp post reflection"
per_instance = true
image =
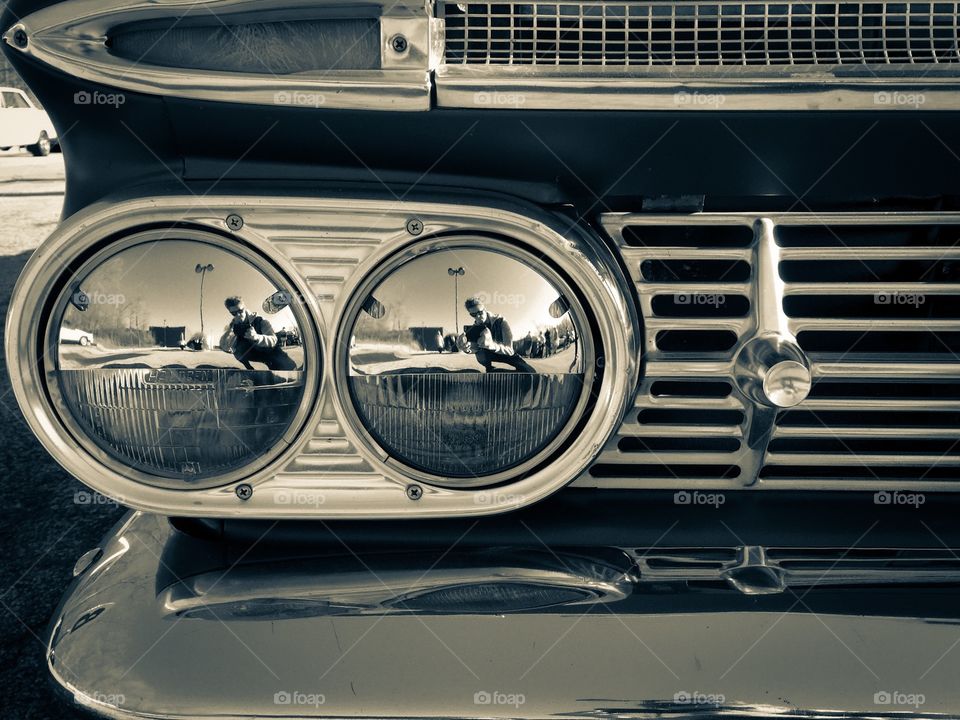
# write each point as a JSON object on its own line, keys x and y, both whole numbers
{"x": 457, "y": 274}
{"x": 202, "y": 271}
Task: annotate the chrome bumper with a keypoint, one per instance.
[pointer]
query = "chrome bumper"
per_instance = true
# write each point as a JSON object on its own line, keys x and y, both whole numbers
{"x": 122, "y": 646}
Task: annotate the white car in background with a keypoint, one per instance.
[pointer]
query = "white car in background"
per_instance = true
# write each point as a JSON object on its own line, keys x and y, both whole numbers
{"x": 74, "y": 335}
{"x": 22, "y": 124}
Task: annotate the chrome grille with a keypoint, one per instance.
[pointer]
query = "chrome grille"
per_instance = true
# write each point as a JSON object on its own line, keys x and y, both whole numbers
{"x": 687, "y": 426}
{"x": 878, "y": 307}
{"x": 873, "y": 303}
{"x": 651, "y": 34}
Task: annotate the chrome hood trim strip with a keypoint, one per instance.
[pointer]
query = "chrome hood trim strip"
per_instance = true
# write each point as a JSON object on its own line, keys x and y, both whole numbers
{"x": 516, "y": 88}
{"x": 72, "y": 37}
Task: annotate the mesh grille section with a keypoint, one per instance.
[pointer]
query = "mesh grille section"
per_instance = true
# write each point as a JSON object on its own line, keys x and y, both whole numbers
{"x": 651, "y": 34}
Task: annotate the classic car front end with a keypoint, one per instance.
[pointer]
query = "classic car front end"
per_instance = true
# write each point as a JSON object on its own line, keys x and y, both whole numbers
{"x": 688, "y": 447}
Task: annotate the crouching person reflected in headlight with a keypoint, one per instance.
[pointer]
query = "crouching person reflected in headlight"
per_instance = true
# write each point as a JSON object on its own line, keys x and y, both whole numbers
{"x": 490, "y": 339}
{"x": 251, "y": 338}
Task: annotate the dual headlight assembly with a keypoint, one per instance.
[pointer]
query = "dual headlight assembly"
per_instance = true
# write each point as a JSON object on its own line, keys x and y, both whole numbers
{"x": 170, "y": 365}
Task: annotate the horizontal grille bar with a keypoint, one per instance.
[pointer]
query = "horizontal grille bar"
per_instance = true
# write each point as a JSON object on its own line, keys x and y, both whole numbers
{"x": 721, "y": 34}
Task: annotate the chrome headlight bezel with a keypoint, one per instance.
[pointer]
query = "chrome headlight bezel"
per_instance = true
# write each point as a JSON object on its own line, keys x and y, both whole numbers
{"x": 76, "y": 448}
{"x": 593, "y": 360}
{"x": 324, "y": 248}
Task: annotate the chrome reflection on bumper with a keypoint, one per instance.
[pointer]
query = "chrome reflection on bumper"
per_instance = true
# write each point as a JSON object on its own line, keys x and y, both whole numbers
{"x": 480, "y": 582}
{"x": 115, "y": 650}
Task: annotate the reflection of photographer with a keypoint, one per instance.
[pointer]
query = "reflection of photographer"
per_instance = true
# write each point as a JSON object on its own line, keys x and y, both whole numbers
{"x": 251, "y": 339}
{"x": 490, "y": 338}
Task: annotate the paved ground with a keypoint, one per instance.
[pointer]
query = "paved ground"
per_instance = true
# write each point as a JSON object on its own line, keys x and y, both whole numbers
{"x": 31, "y": 195}
{"x": 43, "y": 529}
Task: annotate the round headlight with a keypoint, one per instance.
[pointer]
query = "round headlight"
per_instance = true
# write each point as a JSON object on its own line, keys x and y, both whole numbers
{"x": 180, "y": 358}
{"x": 469, "y": 361}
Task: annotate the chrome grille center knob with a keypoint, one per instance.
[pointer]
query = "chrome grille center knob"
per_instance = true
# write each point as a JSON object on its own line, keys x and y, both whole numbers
{"x": 787, "y": 383}
{"x": 773, "y": 371}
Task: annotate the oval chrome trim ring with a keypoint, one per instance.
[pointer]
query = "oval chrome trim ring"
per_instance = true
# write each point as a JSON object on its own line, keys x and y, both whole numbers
{"x": 327, "y": 472}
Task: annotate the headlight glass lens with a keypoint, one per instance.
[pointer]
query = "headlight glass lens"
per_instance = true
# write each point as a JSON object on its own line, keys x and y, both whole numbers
{"x": 467, "y": 362}
{"x": 170, "y": 364}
